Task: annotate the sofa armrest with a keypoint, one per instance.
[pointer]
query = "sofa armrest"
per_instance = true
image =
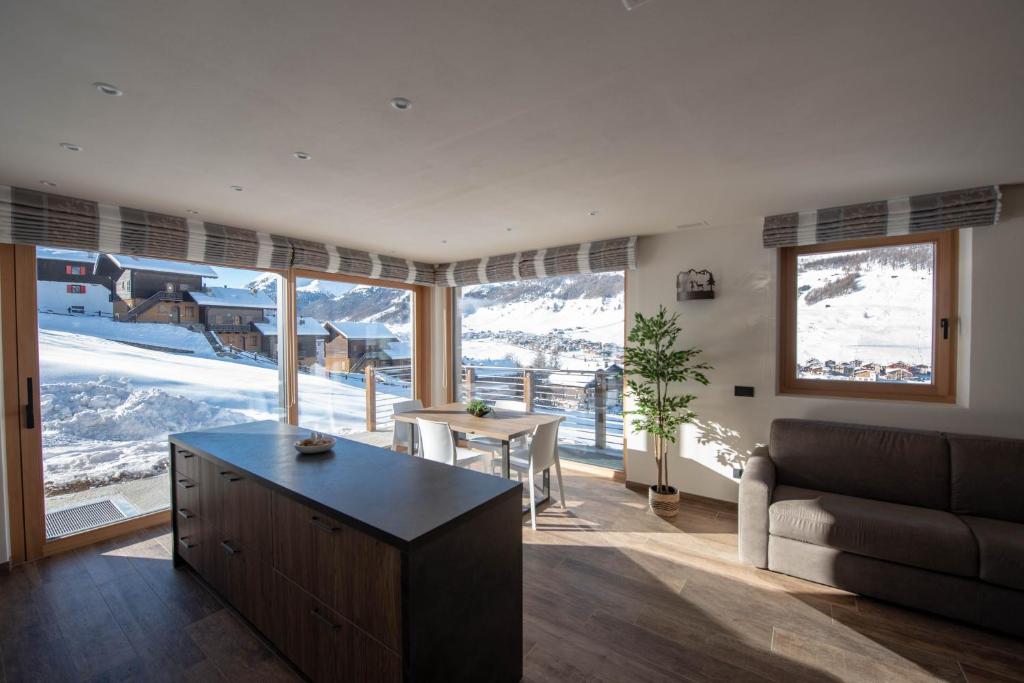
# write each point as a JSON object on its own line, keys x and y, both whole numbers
{"x": 756, "y": 489}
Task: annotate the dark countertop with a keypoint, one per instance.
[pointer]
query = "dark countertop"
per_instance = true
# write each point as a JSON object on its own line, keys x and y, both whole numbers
{"x": 398, "y": 498}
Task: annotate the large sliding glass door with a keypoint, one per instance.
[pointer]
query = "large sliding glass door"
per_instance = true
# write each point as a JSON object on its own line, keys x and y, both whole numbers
{"x": 551, "y": 345}
{"x": 129, "y": 350}
{"x": 355, "y": 354}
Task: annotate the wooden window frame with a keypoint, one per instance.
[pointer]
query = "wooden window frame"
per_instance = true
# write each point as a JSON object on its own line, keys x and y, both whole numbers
{"x": 421, "y": 335}
{"x": 943, "y": 386}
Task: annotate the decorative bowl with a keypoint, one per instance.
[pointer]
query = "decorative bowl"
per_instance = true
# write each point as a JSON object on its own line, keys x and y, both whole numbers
{"x": 315, "y": 443}
{"x": 478, "y": 408}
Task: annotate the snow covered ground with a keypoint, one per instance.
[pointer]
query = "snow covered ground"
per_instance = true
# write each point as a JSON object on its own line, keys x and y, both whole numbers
{"x": 888, "y": 319}
{"x": 487, "y": 351}
{"x": 107, "y": 407}
{"x": 595, "y": 319}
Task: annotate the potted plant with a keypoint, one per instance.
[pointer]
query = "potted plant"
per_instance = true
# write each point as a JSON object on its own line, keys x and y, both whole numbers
{"x": 478, "y": 408}
{"x": 653, "y": 365}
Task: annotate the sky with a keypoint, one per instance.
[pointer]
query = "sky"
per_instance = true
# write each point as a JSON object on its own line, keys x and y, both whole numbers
{"x": 232, "y": 277}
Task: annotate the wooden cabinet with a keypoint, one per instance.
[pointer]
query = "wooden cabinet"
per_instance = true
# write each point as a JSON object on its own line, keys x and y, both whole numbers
{"x": 350, "y": 571}
{"x": 405, "y": 598}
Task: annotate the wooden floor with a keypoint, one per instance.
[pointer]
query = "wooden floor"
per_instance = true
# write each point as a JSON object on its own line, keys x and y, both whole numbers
{"x": 611, "y": 593}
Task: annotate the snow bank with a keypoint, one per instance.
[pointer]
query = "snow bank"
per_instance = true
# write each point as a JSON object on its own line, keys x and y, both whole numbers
{"x": 104, "y": 430}
{"x": 153, "y": 334}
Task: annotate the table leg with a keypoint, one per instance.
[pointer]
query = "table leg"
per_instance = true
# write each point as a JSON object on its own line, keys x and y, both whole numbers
{"x": 506, "y": 459}
{"x": 412, "y": 439}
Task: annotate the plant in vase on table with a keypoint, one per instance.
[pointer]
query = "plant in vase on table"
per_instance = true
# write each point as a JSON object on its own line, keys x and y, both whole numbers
{"x": 653, "y": 365}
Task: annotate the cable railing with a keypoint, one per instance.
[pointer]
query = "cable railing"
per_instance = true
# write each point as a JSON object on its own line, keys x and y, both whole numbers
{"x": 590, "y": 400}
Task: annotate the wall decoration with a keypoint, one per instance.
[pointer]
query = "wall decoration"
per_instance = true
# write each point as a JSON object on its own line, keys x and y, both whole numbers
{"x": 695, "y": 284}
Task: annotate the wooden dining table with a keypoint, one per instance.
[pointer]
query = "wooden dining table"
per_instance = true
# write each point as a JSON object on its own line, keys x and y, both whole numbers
{"x": 501, "y": 425}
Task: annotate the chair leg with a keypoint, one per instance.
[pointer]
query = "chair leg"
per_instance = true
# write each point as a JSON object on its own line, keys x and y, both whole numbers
{"x": 561, "y": 487}
{"x": 533, "y": 501}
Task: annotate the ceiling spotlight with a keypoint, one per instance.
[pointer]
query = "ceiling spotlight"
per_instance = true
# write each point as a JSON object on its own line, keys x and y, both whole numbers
{"x": 508, "y": 229}
{"x": 108, "y": 89}
{"x": 302, "y": 156}
{"x": 48, "y": 183}
{"x": 401, "y": 103}
{"x": 71, "y": 147}
{"x": 237, "y": 188}
{"x": 192, "y": 211}
{"x": 444, "y": 241}
{"x": 594, "y": 212}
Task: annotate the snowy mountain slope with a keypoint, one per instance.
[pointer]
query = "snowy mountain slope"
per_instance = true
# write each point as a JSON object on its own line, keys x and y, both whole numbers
{"x": 108, "y": 407}
{"x": 887, "y": 319}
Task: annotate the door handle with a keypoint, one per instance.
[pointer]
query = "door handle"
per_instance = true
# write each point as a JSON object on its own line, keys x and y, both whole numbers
{"x": 229, "y": 549}
{"x": 321, "y": 524}
{"x": 231, "y": 476}
{"x": 327, "y": 622}
{"x": 185, "y": 513}
{"x": 944, "y": 324}
{"x": 30, "y": 405}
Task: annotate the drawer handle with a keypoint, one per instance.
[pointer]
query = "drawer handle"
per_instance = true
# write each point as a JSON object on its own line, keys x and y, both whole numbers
{"x": 185, "y": 483}
{"x": 322, "y": 525}
{"x": 186, "y": 454}
{"x": 184, "y": 541}
{"x": 230, "y": 549}
{"x": 324, "y": 620}
{"x": 186, "y": 514}
{"x": 231, "y": 476}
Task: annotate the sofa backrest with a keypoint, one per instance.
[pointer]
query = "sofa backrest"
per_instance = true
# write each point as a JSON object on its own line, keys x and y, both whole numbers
{"x": 894, "y": 465}
{"x": 987, "y": 477}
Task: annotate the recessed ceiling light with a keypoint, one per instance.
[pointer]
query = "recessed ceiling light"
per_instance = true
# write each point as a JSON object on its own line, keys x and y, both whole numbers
{"x": 237, "y": 188}
{"x": 508, "y": 229}
{"x": 593, "y": 212}
{"x": 71, "y": 147}
{"x": 401, "y": 103}
{"x": 108, "y": 89}
{"x": 444, "y": 241}
{"x": 48, "y": 183}
{"x": 302, "y": 156}
{"x": 192, "y": 211}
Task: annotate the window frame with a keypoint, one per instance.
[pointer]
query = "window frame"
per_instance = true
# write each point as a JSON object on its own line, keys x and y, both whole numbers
{"x": 944, "y": 351}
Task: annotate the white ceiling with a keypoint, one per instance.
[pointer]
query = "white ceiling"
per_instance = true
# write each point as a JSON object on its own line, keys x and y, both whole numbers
{"x": 527, "y": 114}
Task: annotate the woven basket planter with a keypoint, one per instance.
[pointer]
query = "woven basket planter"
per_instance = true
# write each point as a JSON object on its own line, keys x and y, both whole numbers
{"x": 663, "y": 504}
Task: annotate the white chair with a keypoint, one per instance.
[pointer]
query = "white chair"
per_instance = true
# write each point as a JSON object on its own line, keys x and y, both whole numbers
{"x": 489, "y": 444}
{"x": 438, "y": 443}
{"x": 542, "y": 455}
{"x": 402, "y": 434}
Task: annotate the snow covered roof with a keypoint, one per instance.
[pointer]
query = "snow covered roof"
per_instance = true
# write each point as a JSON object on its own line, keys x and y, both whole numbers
{"x": 399, "y": 350}
{"x": 570, "y": 379}
{"x": 363, "y": 330}
{"x": 73, "y": 255}
{"x": 161, "y": 265}
{"x": 307, "y": 327}
{"x": 235, "y": 297}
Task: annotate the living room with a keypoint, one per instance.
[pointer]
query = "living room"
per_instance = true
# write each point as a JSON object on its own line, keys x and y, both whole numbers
{"x": 608, "y": 340}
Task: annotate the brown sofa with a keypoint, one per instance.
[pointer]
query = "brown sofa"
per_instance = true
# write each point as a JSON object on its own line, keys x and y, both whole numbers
{"x": 928, "y": 520}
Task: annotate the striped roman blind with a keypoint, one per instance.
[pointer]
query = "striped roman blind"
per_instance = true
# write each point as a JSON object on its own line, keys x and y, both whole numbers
{"x": 53, "y": 220}
{"x": 328, "y": 258}
{"x": 589, "y": 257}
{"x": 972, "y": 208}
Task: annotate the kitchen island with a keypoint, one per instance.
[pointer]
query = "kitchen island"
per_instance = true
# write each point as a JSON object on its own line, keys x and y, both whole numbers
{"x": 360, "y": 564}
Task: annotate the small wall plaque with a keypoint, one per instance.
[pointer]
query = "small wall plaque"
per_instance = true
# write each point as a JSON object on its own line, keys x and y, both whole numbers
{"x": 695, "y": 284}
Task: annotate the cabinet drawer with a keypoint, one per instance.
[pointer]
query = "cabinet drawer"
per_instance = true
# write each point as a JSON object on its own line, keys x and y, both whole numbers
{"x": 353, "y": 573}
{"x": 322, "y": 643}
{"x": 186, "y": 462}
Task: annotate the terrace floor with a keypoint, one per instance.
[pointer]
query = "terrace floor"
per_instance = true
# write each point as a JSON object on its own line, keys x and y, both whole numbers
{"x": 611, "y": 593}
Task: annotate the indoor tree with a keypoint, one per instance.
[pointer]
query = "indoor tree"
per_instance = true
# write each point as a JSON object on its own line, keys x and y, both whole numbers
{"x": 653, "y": 365}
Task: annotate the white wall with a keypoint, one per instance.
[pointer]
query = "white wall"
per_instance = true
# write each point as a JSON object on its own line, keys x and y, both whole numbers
{"x": 737, "y": 331}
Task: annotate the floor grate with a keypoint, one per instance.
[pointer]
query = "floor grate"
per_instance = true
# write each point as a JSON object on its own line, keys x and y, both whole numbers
{"x": 81, "y": 518}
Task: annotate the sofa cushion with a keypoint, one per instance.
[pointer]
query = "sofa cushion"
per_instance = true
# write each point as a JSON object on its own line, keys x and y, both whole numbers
{"x": 1000, "y": 550}
{"x": 987, "y": 477}
{"x": 894, "y": 465}
{"x": 919, "y": 537}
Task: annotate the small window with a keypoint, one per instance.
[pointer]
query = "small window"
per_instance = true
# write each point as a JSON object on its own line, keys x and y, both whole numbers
{"x": 870, "y": 318}
{"x": 76, "y": 289}
{"x": 77, "y": 309}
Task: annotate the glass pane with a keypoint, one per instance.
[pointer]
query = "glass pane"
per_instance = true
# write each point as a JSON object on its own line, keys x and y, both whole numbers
{"x": 866, "y": 315}
{"x": 130, "y": 350}
{"x": 552, "y": 345}
{"x": 351, "y": 338}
